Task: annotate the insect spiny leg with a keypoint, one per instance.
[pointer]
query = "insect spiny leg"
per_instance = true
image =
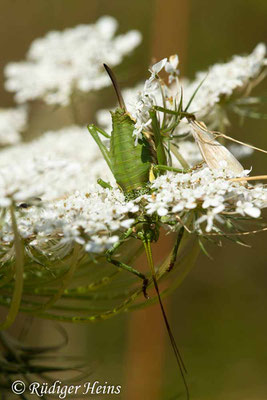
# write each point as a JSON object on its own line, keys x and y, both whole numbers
{"x": 175, "y": 249}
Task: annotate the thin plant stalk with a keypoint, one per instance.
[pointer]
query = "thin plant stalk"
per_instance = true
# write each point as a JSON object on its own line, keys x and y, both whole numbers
{"x": 19, "y": 269}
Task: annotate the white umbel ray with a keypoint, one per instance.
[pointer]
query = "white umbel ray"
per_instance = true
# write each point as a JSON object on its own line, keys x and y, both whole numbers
{"x": 212, "y": 151}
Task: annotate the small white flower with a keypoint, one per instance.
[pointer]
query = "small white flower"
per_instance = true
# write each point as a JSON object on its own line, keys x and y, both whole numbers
{"x": 248, "y": 208}
{"x": 127, "y": 223}
{"x": 156, "y": 68}
{"x": 171, "y": 67}
{"x": 158, "y": 207}
{"x": 139, "y": 128}
{"x": 172, "y": 64}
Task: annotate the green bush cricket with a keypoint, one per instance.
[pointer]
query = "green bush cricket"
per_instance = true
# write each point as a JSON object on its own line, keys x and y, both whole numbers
{"x": 133, "y": 166}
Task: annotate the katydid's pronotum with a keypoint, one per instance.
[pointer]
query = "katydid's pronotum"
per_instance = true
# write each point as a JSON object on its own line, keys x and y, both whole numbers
{"x": 134, "y": 166}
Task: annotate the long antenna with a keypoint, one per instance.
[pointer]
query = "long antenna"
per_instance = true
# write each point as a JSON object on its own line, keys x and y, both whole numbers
{"x": 173, "y": 343}
{"x": 116, "y": 87}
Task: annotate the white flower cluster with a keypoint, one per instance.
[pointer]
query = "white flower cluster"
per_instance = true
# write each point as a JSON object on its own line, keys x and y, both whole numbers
{"x": 222, "y": 80}
{"x": 13, "y": 121}
{"x": 149, "y": 96}
{"x": 72, "y": 59}
{"x": 211, "y": 193}
{"x": 218, "y": 83}
{"x": 92, "y": 218}
{"x": 56, "y": 164}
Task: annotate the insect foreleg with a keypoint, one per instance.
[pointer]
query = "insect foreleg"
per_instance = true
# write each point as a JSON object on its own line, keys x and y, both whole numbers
{"x": 94, "y": 131}
{"x": 175, "y": 249}
{"x": 104, "y": 184}
{"x": 124, "y": 266}
{"x": 99, "y": 130}
{"x": 168, "y": 168}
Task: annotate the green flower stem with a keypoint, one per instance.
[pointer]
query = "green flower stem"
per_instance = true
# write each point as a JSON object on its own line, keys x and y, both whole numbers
{"x": 44, "y": 289}
{"x": 83, "y": 296}
{"x": 19, "y": 269}
{"x": 98, "y": 317}
{"x": 65, "y": 281}
{"x": 179, "y": 157}
{"x": 187, "y": 257}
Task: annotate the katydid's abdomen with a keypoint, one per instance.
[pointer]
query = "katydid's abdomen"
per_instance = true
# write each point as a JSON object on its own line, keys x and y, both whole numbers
{"x": 130, "y": 163}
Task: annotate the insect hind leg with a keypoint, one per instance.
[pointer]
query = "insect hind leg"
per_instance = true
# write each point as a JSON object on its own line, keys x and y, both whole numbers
{"x": 175, "y": 249}
{"x": 130, "y": 269}
{"x": 124, "y": 266}
{"x": 95, "y": 131}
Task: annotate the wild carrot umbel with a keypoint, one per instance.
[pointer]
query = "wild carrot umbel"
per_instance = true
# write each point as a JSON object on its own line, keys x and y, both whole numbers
{"x": 135, "y": 165}
{"x": 68, "y": 244}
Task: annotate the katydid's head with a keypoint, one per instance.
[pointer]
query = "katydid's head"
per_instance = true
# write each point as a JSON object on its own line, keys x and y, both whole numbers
{"x": 119, "y": 116}
{"x": 116, "y": 87}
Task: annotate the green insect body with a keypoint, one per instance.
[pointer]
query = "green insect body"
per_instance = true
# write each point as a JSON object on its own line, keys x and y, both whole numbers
{"x": 130, "y": 163}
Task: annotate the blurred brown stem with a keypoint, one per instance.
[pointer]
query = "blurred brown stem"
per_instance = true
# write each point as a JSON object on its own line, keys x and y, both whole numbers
{"x": 170, "y": 29}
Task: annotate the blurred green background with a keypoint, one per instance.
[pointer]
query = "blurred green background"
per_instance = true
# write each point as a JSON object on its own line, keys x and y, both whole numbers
{"x": 218, "y": 315}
